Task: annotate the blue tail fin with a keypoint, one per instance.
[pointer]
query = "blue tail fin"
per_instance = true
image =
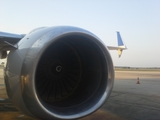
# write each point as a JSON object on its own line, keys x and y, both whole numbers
{"x": 120, "y": 42}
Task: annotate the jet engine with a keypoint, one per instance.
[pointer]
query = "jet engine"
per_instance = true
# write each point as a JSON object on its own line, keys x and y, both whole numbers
{"x": 59, "y": 73}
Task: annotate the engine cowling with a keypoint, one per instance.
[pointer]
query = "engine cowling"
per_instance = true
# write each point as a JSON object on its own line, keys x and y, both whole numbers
{"x": 59, "y": 72}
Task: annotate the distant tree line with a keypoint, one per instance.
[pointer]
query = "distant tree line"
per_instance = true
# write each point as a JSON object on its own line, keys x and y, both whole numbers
{"x": 127, "y": 67}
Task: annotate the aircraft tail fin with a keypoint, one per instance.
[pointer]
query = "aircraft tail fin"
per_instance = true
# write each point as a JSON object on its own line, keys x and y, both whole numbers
{"x": 119, "y": 39}
{"x": 121, "y": 45}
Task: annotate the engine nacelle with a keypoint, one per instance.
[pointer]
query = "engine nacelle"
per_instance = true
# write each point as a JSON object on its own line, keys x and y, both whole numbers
{"x": 59, "y": 72}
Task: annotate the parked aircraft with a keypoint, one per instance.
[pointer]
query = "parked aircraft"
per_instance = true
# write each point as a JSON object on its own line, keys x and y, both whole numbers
{"x": 58, "y": 72}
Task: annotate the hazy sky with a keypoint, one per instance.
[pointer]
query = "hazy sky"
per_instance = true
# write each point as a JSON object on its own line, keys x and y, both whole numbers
{"x": 137, "y": 20}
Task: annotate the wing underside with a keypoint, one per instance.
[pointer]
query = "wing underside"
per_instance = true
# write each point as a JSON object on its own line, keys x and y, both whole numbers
{"x": 9, "y": 39}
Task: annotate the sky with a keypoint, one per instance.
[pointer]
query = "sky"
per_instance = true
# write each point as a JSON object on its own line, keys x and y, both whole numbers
{"x": 138, "y": 22}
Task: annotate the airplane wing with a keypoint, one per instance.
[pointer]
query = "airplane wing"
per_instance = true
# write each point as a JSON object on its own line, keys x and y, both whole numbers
{"x": 8, "y": 39}
{"x": 7, "y": 42}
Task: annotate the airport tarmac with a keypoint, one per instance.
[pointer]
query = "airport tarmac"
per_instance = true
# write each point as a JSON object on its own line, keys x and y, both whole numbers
{"x": 128, "y": 100}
